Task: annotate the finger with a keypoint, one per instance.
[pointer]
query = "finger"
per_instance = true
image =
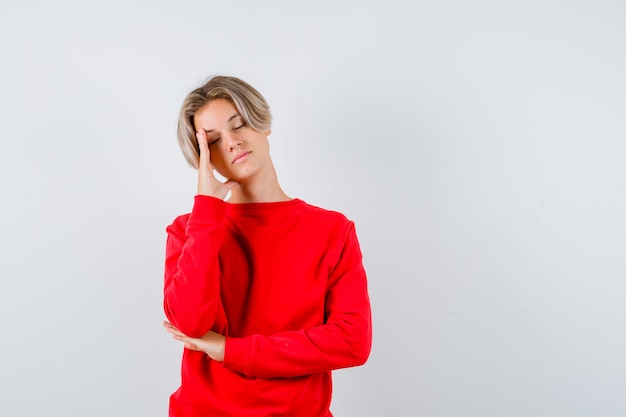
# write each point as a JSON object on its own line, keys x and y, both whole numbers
{"x": 230, "y": 184}
{"x": 182, "y": 338}
{"x": 168, "y": 325}
{"x": 190, "y": 342}
{"x": 192, "y": 346}
{"x": 172, "y": 330}
{"x": 201, "y": 138}
{"x": 203, "y": 145}
{"x": 175, "y": 332}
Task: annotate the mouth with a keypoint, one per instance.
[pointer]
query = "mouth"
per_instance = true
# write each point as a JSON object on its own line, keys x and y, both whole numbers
{"x": 240, "y": 157}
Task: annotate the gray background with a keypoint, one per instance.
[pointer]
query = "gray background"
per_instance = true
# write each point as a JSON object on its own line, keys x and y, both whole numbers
{"x": 478, "y": 146}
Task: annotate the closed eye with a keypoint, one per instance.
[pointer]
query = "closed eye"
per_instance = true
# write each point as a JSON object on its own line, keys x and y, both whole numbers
{"x": 240, "y": 126}
{"x": 213, "y": 142}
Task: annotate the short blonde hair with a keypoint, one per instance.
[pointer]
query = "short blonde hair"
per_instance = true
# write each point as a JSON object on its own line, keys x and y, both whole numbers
{"x": 250, "y": 104}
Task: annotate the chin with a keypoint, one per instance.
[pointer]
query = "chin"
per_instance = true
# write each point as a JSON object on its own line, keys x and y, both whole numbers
{"x": 242, "y": 174}
{"x": 226, "y": 174}
{"x": 240, "y": 178}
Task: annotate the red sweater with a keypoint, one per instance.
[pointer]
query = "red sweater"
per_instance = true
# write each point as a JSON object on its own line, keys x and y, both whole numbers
{"x": 285, "y": 284}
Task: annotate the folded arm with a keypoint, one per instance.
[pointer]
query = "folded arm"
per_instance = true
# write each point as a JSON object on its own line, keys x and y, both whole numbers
{"x": 192, "y": 289}
{"x": 343, "y": 340}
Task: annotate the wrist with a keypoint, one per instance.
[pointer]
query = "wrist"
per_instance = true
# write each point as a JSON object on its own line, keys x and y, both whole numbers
{"x": 217, "y": 351}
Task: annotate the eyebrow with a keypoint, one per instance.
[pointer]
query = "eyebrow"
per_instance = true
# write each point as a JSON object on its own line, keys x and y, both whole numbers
{"x": 230, "y": 119}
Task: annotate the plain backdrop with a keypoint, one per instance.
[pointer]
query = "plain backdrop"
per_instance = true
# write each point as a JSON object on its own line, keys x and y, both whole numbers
{"x": 478, "y": 145}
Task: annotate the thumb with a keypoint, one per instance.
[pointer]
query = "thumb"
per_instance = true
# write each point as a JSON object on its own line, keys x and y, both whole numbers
{"x": 230, "y": 184}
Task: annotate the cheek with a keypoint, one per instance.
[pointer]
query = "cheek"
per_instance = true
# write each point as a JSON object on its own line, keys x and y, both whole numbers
{"x": 216, "y": 156}
{"x": 218, "y": 161}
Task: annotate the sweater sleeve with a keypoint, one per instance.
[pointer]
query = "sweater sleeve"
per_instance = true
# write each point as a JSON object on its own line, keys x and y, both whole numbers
{"x": 192, "y": 288}
{"x": 343, "y": 340}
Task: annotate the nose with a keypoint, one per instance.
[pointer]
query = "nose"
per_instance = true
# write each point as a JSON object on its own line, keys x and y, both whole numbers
{"x": 232, "y": 141}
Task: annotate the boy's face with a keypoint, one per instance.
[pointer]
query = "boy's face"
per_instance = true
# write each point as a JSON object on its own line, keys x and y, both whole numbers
{"x": 238, "y": 152}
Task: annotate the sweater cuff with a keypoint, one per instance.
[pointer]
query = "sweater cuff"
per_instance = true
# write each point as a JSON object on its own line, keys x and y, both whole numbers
{"x": 238, "y": 354}
{"x": 206, "y": 209}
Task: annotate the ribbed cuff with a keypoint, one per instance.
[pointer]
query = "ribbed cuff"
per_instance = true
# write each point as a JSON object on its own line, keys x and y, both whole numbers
{"x": 207, "y": 209}
{"x": 238, "y": 354}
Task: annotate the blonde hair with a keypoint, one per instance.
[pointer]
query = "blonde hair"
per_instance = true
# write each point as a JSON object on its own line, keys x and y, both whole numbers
{"x": 250, "y": 104}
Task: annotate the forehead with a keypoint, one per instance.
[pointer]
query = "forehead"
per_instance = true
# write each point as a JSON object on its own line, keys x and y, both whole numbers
{"x": 215, "y": 114}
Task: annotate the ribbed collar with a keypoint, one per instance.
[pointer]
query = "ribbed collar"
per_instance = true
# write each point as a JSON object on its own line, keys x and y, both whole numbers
{"x": 263, "y": 213}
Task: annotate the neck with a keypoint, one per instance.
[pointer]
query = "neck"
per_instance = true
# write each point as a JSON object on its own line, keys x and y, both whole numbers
{"x": 264, "y": 189}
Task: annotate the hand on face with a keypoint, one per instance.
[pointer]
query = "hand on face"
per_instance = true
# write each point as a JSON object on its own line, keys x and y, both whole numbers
{"x": 208, "y": 184}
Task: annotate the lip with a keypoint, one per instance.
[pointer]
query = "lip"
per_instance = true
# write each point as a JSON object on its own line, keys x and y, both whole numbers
{"x": 241, "y": 156}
